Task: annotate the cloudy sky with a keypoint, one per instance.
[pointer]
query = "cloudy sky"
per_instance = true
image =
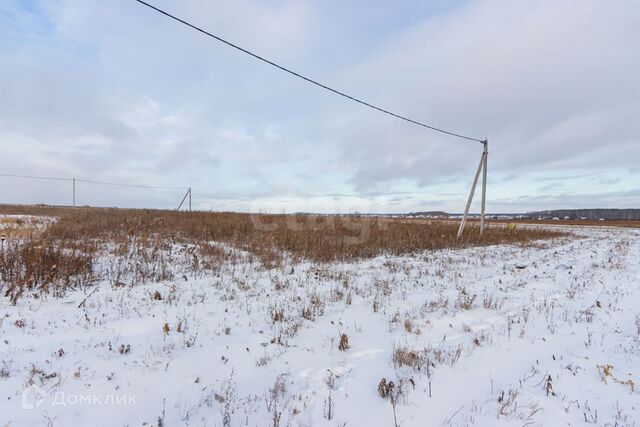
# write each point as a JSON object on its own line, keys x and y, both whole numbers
{"x": 112, "y": 91}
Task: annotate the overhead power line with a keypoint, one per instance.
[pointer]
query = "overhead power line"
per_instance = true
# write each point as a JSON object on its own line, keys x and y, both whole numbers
{"x": 50, "y": 178}
{"x": 88, "y": 181}
{"x": 307, "y": 79}
{"x": 131, "y": 185}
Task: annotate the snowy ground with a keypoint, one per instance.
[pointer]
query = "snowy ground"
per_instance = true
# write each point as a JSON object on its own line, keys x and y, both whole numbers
{"x": 497, "y": 336}
{"x": 22, "y": 225}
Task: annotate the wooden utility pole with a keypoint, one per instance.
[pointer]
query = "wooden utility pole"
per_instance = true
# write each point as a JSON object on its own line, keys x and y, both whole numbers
{"x": 74, "y": 192}
{"x": 187, "y": 194}
{"x": 482, "y": 166}
{"x": 485, "y": 155}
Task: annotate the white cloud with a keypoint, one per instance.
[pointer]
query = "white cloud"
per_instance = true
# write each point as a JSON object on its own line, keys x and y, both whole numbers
{"x": 111, "y": 90}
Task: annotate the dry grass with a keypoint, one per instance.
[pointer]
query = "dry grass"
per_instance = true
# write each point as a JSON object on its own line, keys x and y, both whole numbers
{"x": 18, "y": 228}
{"x": 34, "y": 265}
{"x": 62, "y": 255}
{"x": 313, "y": 237}
{"x": 402, "y": 356}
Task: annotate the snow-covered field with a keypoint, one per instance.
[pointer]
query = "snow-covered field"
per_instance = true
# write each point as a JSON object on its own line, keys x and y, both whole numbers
{"x": 547, "y": 334}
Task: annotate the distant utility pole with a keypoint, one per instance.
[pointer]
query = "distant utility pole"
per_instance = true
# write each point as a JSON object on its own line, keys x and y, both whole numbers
{"x": 482, "y": 166}
{"x": 74, "y": 192}
{"x": 187, "y": 194}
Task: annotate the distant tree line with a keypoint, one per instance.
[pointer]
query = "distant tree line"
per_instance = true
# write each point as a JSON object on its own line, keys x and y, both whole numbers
{"x": 593, "y": 214}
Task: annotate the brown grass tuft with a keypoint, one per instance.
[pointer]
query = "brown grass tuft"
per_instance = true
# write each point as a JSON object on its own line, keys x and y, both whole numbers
{"x": 344, "y": 342}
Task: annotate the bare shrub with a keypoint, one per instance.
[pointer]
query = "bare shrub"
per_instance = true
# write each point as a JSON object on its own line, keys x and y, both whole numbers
{"x": 349, "y": 298}
{"x": 402, "y": 356}
{"x": 434, "y": 305}
{"x": 226, "y": 397}
{"x": 314, "y": 308}
{"x": 211, "y": 257}
{"x": 5, "y": 370}
{"x": 329, "y": 409}
{"x": 274, "y": 402}
{"x": 263, "y": 360}
{"x": 490, "y": 301}
{"x": 344, "y": 342}
{"x": 444, "y": 355}
{"x": 408, "y": 325}
{"x": 393, "y": 392}
{"x": 43, "y": 267}
{"x": 336, "y": 294}
{"x": 508, "y": 404}
{"x": 465, "y": 301}
{"x": 277, "y": 314}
